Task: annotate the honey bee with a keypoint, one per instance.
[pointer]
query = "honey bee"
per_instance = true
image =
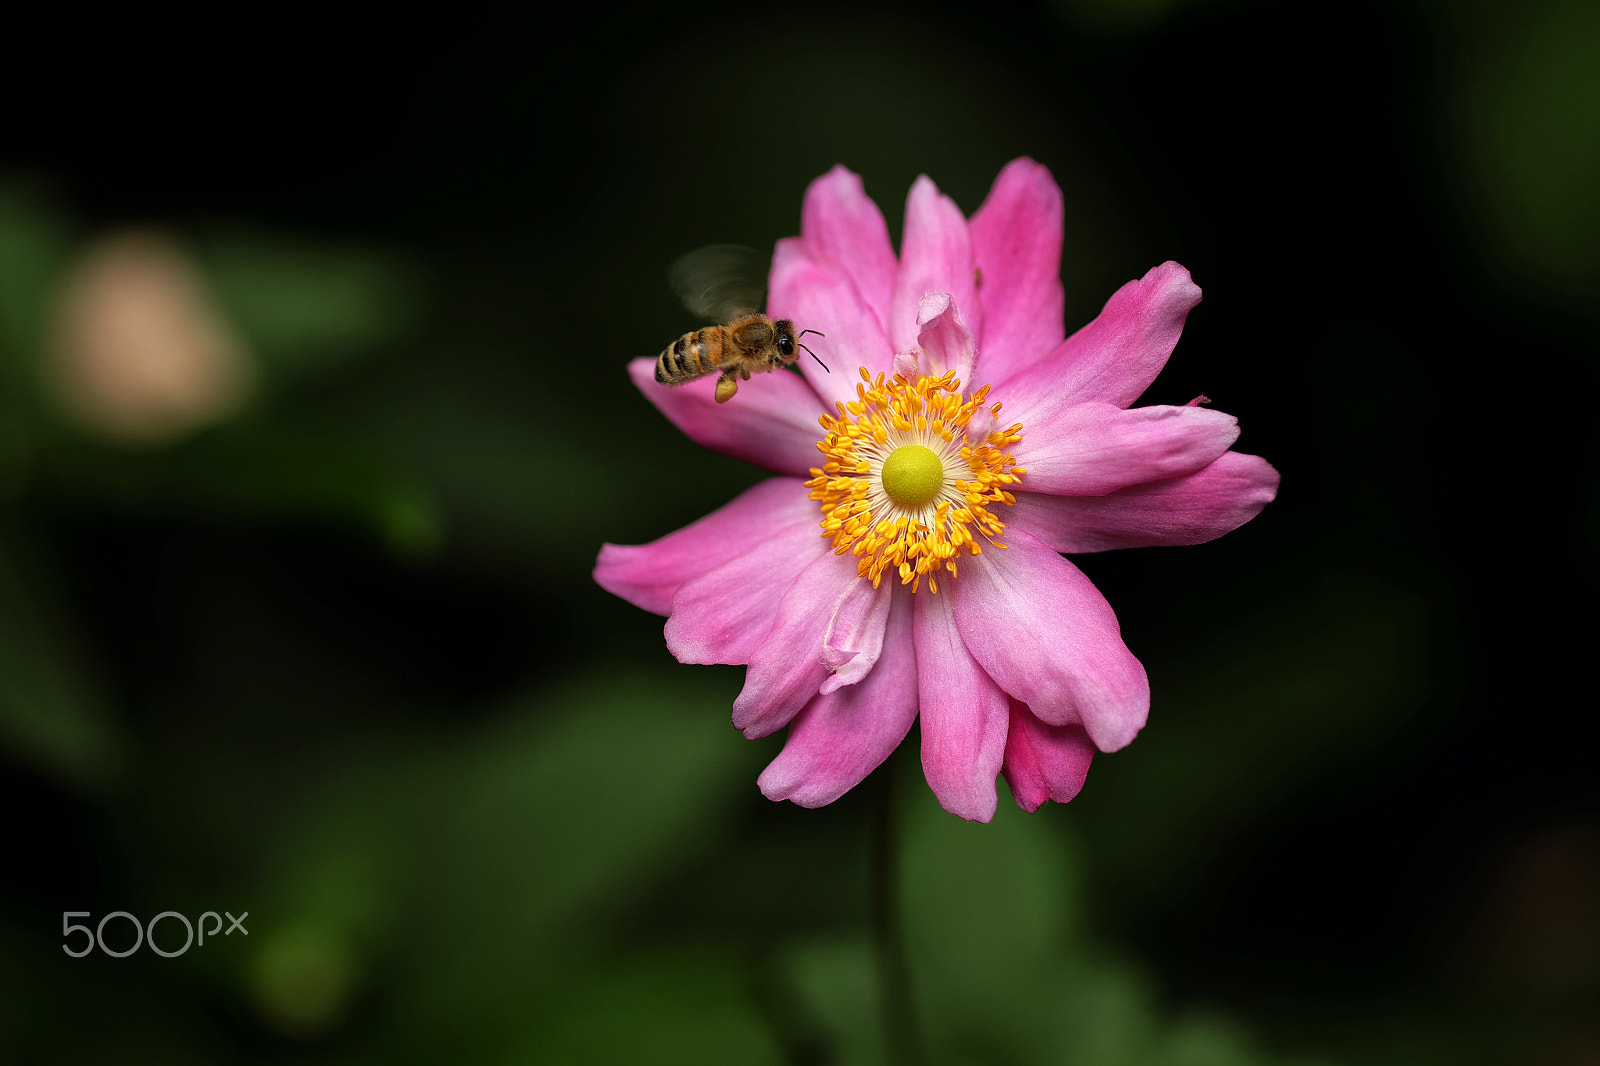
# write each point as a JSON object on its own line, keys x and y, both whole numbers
{"x": 722, "y": 281}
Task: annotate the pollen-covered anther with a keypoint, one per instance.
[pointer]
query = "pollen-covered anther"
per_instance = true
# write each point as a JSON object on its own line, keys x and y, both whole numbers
{"x": 904, "y": 488}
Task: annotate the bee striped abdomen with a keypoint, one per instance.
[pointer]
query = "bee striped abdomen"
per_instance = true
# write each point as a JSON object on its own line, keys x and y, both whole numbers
{"x": 691, "y": 356}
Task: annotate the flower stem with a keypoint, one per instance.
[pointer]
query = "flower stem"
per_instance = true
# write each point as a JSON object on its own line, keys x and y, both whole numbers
{"x": 902, "y": 1042}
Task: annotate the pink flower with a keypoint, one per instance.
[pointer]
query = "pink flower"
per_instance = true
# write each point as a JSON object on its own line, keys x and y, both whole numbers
{"x": 913, "y": 568}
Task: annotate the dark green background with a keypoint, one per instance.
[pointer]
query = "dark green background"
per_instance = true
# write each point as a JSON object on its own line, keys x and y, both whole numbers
{"x": 339, "y": 662}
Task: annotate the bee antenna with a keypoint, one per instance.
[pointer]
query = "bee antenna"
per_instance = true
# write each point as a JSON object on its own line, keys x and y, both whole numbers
{"x": 813, "y": 354}
{"x": 803, "y": 332}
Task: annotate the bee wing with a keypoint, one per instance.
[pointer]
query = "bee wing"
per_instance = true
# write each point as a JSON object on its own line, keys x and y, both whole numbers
{"x": 720, "y": 282}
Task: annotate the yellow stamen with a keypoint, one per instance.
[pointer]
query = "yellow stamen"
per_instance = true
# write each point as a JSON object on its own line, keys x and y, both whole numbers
{"x": 901, "y": 487}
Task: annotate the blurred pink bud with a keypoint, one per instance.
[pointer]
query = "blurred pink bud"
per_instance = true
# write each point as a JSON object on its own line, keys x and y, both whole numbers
{"x": 138, "y": 352}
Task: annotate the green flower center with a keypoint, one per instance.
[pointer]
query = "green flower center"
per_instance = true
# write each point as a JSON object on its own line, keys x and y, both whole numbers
{"x": 912, "y": 475}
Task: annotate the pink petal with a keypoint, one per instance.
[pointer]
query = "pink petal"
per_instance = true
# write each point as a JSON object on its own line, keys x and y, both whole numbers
{"x": 816, "y": 295}
{"x": 787, "y": 670}
{"x": 649, "y": 575}
{"x": 935, "y": 256}
{"x": 1016, "y": 244}
{"x": 840, "y": 738}
{"x": 963, "y": 713}
{"x": 944, "y": 339}
{"x": 845, "y": 229}
{"x": 1091, "y": 449}
{"x": 1044, "y": 762}
{"x": 1046, "y": 636}
{"x": 771, "y": 421}
{"x": 1114, "y": 358}
{"x": 1186, "y": 510}
{"x": 723, "y": 615}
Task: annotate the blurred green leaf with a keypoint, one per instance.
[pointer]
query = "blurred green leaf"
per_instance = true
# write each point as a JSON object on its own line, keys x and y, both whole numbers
{"x": 1296, "y": 689}
{"x": 1206, "y": 1040}
{"x": 1104, "y": 1017}
{"x": 1524, "y": 91}
{"x": 307, "y": 307}
{"x": 474, "y": 877}
{"x": 51, "y": 712}
{"x": 1001, "y": 967}
{"x": 35, "y": 241}
{"x": 257, "y": 473}
{"x": 303, "y": 977}
{"x": 990, "y": 910}
{"x": 565, "y": 811}
{"x": 531, "y": 479}
{"x": 838, "y": 983}
{"x": 16, "y": 456}
{"x": 681, "y": 1008}
{"x": 599, "y": 782}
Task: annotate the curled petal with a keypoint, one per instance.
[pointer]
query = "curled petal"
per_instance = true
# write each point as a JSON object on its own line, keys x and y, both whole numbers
{"x": 723, "y": 615}
{"x": 766, "y": 517}
{"x": 1044, "y": 762}
{"x": 1046, "y": 636}
{"x": 1114, "y": 358}
{"x": 817, "y": 295}
{"x": 1016, "y": 245}
{"x": 771, "y": 422}
{"x": 944, "y": 339}
{"x": 787, "y": 669}
{"x": 963, "y": 713}
{"x": 854, "y": 637}
{"x": 1090, "y": 449}
{"x": 842, "y": 736}
{"x": 935, "y": 256}
{"x": 1186, "y": 510}
{"x": 841, "y": 226}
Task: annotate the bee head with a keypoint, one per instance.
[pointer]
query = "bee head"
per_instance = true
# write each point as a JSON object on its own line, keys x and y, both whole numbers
{"x": 786, "y": 339}
{"x": 789, "y": 341}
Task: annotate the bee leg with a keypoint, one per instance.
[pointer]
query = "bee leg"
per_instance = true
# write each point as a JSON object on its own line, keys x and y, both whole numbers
{"x": 727, "y": 385}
